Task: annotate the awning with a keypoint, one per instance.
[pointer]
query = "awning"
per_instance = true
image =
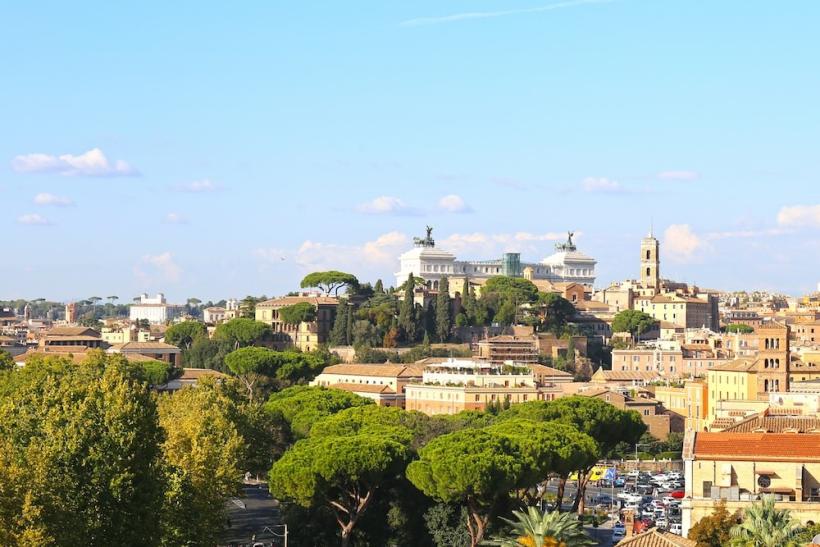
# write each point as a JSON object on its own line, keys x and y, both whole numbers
{"x": 764, "y": 472}
{"x": 779, "y": 490}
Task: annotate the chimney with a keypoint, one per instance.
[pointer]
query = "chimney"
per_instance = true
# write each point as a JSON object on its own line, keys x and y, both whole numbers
{"x": 629, "y": 523}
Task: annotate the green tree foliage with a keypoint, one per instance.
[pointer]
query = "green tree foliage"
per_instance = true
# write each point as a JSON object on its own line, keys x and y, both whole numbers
{"x": 378, "y": 288}
{"x": 302, "y": 406}
{"x": 79, "y": 455}
{"x": 250, "y": 364}
{"x": 6, "y": 360}
{"x": 365, "y": 334}
{"x": 740, "y": 328}
{"x": 183, "y": 334}
{"x": 475, "y": 468}
{"x": 241, "y": 332}
{"x": 203, "y": 451}
{"x": 501, "y": 297}
{"x": 407, "y": 318}
{"x": 247, "y": 307}
{"x": 445, "y": 524}
{"x": 157, "y": 373}
{"x": 330, "y": 281}
{"x": 603, "y": 422}
{"x": 342, "y": 473}
{"x": 444, "y": 320}
{"x": 714, "y": 530}
{"x": 302, "y": 312}
{"x": 556, "y": 310}
{"x": 538, "y": 529}
{"x": 634, "y": 322}
{"x": 206, "y": 353}
{"x": 340, "y": 335}
{"x": 412, "y": 428}
{"x": 764, "y": 525}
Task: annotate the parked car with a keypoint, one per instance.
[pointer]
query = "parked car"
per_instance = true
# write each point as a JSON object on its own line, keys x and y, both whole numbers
{"x": 676, "y": 528}
{"x": 618, "y": 531}
{"x": 620, "y": 482}
{"x": 661, "y": 522}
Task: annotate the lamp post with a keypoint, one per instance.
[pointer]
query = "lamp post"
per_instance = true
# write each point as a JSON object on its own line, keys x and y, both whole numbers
{"x": 285, "y": 535}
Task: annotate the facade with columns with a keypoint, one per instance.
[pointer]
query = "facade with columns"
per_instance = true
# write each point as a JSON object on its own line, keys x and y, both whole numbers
{"x": 426, "y": 261}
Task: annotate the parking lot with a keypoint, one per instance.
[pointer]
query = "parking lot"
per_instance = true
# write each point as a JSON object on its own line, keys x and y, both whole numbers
{"x": 654, "y": 500}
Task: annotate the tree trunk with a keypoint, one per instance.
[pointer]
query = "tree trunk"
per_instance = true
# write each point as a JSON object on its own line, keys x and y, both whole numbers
{"x": 583, "y": 479}
{"x": 559, "y": 495}
{"x": 476, "y": 524}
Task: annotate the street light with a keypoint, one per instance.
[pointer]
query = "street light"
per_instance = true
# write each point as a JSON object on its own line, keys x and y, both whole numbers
{"x": 285, "y": 535}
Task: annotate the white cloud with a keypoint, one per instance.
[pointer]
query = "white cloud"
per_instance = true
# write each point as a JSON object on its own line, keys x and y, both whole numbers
{"x": 601, "y": 184}
{"x": 33, "y": 219}
{"x": 89, "y": 164}
{"x": 161, "y": 267}
{"x": 464, "y": 16}
{"x": 175, "y": 218}
{"x": 44, "y": 198}
{"x": 198, "y": 186}
{"x": 453, "y": 203}
{"x": 681, "y": 244}
{"x": 679, "y": 175}
{"x": 800, "y": 215}
{"x": 386, "y": 205}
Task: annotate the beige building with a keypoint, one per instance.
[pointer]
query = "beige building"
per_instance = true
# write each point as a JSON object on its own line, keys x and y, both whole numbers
{"x": 386, "y": 384}
{"x": 652, "y": 413}
{"x": 306, "y": 336}
{"x": 458, "y": 384}
{"x": 159, "y": 351}
{"x": 506, "y": 347}
{"x": 741, "y": 467}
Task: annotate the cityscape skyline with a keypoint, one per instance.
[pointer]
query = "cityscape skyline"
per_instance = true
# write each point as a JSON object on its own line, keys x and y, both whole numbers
{"x": 175, "y": 165}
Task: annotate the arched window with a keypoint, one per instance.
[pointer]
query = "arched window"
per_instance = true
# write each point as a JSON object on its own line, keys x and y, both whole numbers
{"x": 648, "y": 270}
{"x": 648, "y": 254}
{"x": 767, "y": 343}
{"x": 765, "y": 385}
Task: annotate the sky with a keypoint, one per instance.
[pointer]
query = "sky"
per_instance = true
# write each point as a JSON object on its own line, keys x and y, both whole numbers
{"x": 219, "y": 149}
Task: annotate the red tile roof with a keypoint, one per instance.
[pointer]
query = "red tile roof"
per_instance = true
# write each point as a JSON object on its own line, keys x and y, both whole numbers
{"x": 795, "y": 447}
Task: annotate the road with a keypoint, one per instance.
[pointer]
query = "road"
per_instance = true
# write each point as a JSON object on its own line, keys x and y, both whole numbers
{"x": 248, "y": 524}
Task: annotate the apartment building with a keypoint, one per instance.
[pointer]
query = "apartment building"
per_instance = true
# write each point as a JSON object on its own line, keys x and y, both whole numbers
{"x": 386, "y": 384}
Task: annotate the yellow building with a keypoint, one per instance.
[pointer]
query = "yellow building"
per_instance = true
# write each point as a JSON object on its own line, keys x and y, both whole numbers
{"x": 306, "y": 336}
{"x": 732, "y": 381}
{"x": 691, "y": 402}
{"x": 741, "y": 467}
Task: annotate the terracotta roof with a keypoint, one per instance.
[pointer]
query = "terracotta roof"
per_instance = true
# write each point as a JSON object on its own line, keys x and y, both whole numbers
{"x": 290, "y": 300}
{"x": 656, "y": 538}
{"x": 738, "y": 365}
{"x": 72, "y": 331}
{"x": 144, "y": 346}
{"x": 616, "y": 375}
{"x": 82, "y": 337}
{"x": 197, "y": 373}
{"x": 511, "y": 338}
{"x": 549, "y": 371}
{"x": 769, "y": 423}
{"x": 364, "y": 388}
{"x": 398, "y": 371}
{"x": 77, "y": 354}
{"x": 794, "y": 447}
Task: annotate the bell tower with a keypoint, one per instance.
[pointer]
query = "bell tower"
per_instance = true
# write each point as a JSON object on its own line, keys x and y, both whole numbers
{"x": 650, "y": 263}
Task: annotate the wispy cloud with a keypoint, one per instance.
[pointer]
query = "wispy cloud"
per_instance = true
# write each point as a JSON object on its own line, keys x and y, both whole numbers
{"x": 197, "y": 186}
{"x": 464, "y": 16}
{"x": 682, "y": 244}
{"x": 88, "y": 164}
{"x": 44, "y": 198}
{"x": 161, "y": 267}
{"x": 387, "y": 205}
{"x": 454, "y": 203}
{"x": 679, "y": 175}
{"x": 800, "y": 215}
{"x": 33, "y": 219}
{"x": 175, "y": 218}
{"x": 601, "y": 184}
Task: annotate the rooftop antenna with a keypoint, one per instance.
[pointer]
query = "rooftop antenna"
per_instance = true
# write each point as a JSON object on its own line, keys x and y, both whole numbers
{"x": 651, "y": 227}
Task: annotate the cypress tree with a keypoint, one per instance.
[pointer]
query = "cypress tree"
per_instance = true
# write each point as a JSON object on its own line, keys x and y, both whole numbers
{"x": 407, "y": 319}
{"x": 379, "y": 288}
{"x": 349, "y": 328}
{"x": 444, "y": 320}
{"x": 338, "y": 336}
{"x": 468, "y": 302}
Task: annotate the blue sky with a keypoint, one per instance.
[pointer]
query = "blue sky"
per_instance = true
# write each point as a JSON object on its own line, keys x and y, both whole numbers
{"x": 223, "y": 149}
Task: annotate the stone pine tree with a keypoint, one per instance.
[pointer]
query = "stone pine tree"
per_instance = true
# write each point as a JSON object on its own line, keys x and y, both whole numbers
{"x": 407, "y": 319}
{"x": 443, "y": 313}
{"x": 338, "y": 336}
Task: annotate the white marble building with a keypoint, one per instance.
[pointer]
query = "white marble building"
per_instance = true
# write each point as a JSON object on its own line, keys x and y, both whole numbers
{"x": 154, "y": 309}
{"x": 567, "y": 264}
